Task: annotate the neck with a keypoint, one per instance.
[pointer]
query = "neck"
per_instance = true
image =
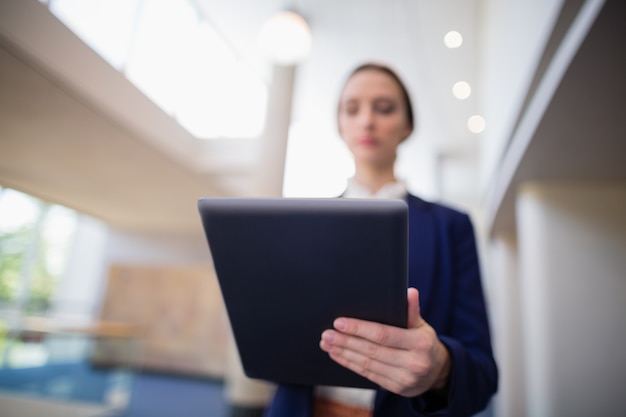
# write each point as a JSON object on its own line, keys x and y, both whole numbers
{"x": 374, "y": 178}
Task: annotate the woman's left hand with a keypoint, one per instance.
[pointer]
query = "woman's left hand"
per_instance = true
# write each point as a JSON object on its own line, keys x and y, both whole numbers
{"x": 407, "y": 361}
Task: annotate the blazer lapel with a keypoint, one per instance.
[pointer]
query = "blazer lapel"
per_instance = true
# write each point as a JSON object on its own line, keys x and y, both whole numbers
{"x": 422, "y": 250}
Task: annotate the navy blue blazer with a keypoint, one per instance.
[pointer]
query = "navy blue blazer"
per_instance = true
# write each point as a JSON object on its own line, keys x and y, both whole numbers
{"x": 443, "y": 266}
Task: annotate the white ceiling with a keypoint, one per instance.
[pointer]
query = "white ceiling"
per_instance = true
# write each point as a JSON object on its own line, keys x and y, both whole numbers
{"x": 73, "y": 131}
{"x": 407, "y": 34}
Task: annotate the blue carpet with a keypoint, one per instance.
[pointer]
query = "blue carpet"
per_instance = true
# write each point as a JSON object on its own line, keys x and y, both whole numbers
{"x": 153, "y": 395}
{"x": 161, "y": 395}
{"x": 74, "y": 381}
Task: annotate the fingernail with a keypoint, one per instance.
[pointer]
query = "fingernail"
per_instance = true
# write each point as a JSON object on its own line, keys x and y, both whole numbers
{"x": 328, "y": 336}
{"x": 340, "y": 324}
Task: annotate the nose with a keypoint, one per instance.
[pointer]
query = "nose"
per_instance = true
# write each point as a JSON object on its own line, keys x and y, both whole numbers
{"x": 366, "y": 118}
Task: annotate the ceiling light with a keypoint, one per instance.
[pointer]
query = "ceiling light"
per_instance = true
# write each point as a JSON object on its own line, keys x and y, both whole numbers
{"x": 453, "y": 39}
{"x": 476, "y": 124}
{"x": 461, "y": 90}
{"x": 285, "y": 38}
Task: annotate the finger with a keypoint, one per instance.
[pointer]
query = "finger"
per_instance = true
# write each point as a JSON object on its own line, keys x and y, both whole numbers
{"x": 358, "y": 363}
{"x": 378, "y": 333}
{"x": 395, "y": 379}
{"x": 362, "y": 350}
{"x": 415, "y": 319}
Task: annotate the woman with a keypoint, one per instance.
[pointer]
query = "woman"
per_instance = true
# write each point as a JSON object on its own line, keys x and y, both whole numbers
{"x": 442, "y": 364}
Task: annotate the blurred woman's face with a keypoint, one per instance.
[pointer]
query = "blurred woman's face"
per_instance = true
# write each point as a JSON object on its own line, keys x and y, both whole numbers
{"x": 373, "y": 118}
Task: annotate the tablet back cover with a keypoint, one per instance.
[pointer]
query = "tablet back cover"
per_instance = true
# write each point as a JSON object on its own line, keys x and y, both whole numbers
{"x": 288, "y": 267}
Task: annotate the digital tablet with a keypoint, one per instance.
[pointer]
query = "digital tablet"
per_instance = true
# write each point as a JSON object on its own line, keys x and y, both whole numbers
{"x": 287, "y": 267}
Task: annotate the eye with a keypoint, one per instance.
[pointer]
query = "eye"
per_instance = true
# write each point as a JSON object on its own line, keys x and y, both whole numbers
{"x": 384, "y": 106}
{"x": 351, "y": 109}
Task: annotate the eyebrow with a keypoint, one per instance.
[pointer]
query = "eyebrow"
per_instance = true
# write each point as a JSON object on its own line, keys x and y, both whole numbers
{"x": 376, "y": 99}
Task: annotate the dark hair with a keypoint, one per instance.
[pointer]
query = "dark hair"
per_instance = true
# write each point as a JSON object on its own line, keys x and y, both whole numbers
{"x": 370, "y": 66}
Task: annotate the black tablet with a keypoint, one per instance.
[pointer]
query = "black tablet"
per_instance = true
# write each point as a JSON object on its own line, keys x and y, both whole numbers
{"x": 288, "y": 267}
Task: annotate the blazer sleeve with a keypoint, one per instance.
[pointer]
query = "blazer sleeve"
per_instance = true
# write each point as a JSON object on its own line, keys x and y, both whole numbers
{"x": 466, "y": 335}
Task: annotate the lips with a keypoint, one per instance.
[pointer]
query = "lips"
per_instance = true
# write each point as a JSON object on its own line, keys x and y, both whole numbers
{"x": 367, "y": 141}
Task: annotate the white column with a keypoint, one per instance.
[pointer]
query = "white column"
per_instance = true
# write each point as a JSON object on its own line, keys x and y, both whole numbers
{"x": 572, "y": 254}
{"x": 271, "y": 169}
{"x": 505, "y": 320}
{"x": 79, "y": 291}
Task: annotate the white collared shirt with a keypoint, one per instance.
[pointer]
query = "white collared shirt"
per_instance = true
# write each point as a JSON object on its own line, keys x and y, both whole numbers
{"x": 395, "y": 190}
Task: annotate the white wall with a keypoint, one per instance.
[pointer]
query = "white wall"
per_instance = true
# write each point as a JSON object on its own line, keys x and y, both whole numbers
{"x": 96, "y": 247}
{"x": 515, "y": 34}
{"x": 572, "y": 247}
{"x": 150, "y": 249}
{"x": 127, "y": 247}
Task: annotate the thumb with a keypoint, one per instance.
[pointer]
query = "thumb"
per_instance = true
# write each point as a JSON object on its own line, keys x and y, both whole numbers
{"x": 415, "y": 318}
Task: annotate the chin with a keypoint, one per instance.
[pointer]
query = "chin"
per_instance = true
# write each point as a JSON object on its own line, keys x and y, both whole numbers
{"x": 380, "y": 162}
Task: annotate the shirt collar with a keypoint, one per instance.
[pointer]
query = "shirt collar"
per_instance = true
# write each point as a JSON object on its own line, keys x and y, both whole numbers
{"x": 393, "y": 190}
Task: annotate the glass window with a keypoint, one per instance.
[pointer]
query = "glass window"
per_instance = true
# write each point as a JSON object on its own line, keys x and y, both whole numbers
{"x": 218, "y": 91}
{"x": 34, "y": 243}
{"x": 105, "y": 25}
{"x": 162, "y": 37}
{"x": 176, "y": 59}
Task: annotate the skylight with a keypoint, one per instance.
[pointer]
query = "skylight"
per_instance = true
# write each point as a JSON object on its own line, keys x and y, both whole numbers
{"x": 170, "y": 53}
